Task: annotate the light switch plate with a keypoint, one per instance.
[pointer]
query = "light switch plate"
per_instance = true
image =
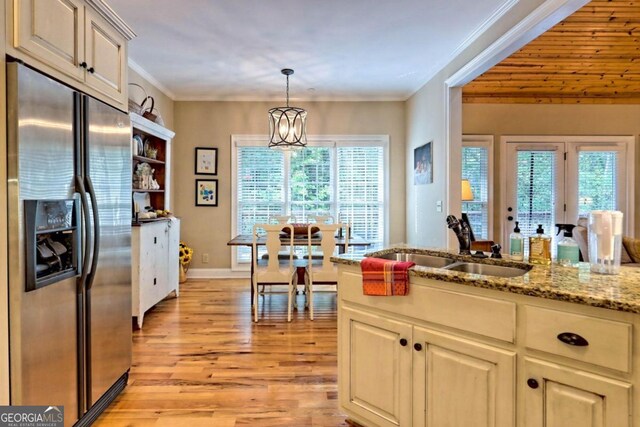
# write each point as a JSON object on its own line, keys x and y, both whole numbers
{"x": 439, "y": 206}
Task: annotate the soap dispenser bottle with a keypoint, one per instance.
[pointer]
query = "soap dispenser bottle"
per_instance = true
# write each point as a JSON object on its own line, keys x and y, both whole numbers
{"x": 568, "y": 253}
{"x": 516, "y": 244}
{"x": 540, "y": 247}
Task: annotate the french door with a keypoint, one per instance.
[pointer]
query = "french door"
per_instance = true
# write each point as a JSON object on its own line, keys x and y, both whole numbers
{"x": 550, "y": 181}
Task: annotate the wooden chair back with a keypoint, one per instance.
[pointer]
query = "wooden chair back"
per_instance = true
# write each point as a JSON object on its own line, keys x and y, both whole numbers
{"x": 323, "y": 270}
{"x": 276, "y": 267}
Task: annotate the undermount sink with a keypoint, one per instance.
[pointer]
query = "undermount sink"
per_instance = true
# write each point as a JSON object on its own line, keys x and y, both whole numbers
{"x": 419, "y": 259}
{"x": 487, "y": 269}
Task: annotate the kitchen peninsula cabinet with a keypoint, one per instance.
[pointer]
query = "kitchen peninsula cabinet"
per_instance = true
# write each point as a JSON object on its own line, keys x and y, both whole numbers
{"x": 81, "y": 42}
{"x": 154, "y": 264}
{"x": 468, "y": 349}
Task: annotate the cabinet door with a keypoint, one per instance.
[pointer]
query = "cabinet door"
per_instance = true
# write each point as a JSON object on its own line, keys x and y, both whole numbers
{"x": 52, "y": 31}
{"x": 459, "y": 383}
{"x": 173, "y": 251}
{"x": 375, "y": 371}
{"x": 149, "y": 265}
{"x": 558, "y": 396}
{"x": 105, "y": 54}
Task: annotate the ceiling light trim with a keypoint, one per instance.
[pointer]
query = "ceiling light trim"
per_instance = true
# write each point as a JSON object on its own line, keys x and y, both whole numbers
{"x": 148, "y": 77}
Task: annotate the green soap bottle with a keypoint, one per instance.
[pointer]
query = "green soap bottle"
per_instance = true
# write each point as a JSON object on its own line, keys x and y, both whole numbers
{"x": 516, "y": 244}
{"x": 568, "y": 252}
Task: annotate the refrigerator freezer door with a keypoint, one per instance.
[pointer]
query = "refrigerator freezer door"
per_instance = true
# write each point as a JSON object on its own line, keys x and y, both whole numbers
{"x": 43, "y": 323}
{"x": 108, "y": 168}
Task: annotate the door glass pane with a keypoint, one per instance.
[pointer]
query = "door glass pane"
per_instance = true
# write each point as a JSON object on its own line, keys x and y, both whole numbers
{"x": 536, "y": 192}
{"x": 475, "y": 168}
{"x": 597, "y": 181}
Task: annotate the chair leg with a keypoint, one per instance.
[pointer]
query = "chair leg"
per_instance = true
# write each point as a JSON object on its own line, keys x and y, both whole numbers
{"x": 310, "y": 291}
{"x": 291, "y": 293}
{"x": 307, "y": 277}
{"x": 255, "y": 300}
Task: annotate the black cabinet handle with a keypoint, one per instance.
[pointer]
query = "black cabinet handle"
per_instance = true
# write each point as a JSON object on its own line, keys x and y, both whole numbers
{"x": 573, "y": 339}
{"x": 91, "y": 70}
{"x": 532, "y": 383}
{"x": 417, "y": 346}
{"x": 83, "y": 65}
{"x": 510, "y": 218}
{"x": 403, "y": 342}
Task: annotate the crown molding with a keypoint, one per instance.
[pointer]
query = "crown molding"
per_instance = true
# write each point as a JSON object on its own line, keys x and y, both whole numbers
{"x": 112, "y": 17}
{"x": 213, "y": 98}
{"x": 148, "y": 77}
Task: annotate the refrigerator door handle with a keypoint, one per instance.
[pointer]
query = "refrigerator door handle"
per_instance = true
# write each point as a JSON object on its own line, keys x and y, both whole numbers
{"x": 96, "y": 235}
{"x": 88, "y": 232}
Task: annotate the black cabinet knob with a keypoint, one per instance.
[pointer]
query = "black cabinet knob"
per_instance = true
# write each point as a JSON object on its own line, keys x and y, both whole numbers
{"x": 403, "y": 342}
{"x": 532, "y": 383}
{"x": 91, "y": 70}
{"x": 570, "y": 338}
{"x": 417, "y": 346}
{"x": 510, "y": 209}
{"x": 83, "y": 65}
{"x": 510, "y": 218}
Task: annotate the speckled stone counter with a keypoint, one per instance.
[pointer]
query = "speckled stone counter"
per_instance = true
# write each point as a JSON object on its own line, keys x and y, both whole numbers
{"x": 577, "y": 285}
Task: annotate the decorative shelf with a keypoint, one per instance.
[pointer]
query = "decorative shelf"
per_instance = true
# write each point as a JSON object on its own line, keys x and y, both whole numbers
{"x": 148, "y": 160}
{"x": 140, "y": 190}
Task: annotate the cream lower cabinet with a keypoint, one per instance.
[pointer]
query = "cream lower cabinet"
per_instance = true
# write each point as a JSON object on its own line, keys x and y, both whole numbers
{"x": 461, "y": 382}
{"x": 558, "y": 396}
{"x": 154, "y": 264}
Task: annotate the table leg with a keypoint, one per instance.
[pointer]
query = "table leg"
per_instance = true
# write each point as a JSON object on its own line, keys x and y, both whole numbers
{"x": 253, "y": 291}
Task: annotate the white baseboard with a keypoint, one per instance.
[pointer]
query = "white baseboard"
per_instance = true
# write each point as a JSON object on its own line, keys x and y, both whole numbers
{"x": 217, "y": 273}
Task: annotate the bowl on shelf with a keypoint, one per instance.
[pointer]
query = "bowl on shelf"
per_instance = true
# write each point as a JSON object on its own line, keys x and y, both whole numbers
{"x": 299, "y": 229}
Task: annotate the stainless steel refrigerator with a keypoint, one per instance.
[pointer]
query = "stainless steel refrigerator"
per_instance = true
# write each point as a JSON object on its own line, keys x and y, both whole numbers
{"x": 69, "y": 165}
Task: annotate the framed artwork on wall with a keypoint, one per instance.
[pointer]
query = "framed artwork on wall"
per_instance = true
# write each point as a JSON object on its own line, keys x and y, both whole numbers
{"x": 423, "y": 164}
{"x": 206, "y": 192}
{"x": 206, "y": 161}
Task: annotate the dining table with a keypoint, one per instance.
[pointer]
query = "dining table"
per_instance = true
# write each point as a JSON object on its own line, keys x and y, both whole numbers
{"x": 298, "y": 240}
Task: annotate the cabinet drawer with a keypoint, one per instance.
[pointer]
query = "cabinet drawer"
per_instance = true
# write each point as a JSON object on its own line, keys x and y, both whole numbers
{"x": 608, "y": 343}
{"x": 489, "y": 317}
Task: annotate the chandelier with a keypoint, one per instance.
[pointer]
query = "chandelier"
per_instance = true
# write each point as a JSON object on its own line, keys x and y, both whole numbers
{"x": 287, "y": 125}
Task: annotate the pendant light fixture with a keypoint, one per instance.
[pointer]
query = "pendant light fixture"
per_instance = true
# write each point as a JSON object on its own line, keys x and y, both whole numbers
{"x": 287, "y": 125}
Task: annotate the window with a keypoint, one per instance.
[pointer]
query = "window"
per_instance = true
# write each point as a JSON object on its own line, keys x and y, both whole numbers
{"x": 345, "y": 178}
{"x": 477, "y": 166}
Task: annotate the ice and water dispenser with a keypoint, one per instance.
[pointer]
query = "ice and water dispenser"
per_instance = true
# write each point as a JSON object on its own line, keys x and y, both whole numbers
{"x": 52, "y": 241}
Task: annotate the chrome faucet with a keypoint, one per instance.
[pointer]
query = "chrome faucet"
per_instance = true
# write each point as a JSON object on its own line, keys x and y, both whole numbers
{"x": 463, "y": 233}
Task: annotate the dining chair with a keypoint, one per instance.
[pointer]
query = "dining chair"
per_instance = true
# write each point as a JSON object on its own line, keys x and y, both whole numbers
{"x": 282, "y": 219}
{"x": 320, "y": 270}
{"x": 321, "y": 219}
{"x": 273, "y": 270}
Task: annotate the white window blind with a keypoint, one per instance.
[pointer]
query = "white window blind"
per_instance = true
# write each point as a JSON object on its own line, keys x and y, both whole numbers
{"x": 260, "y": 194}
{"x": 536, "y": 192}
{"x": 361, "y": 191}
{"x": 597, "y": 178}
{"x": 475, "y": 168}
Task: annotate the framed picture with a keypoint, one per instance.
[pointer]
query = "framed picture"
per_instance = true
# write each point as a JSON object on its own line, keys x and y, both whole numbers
{"x": 206, "y": 161}
{"x": 423, "y": 164}
{"x": 206, "y": 192}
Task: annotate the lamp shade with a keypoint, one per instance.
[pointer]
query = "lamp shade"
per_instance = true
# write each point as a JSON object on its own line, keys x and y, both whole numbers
{"x": 467, "y": 193}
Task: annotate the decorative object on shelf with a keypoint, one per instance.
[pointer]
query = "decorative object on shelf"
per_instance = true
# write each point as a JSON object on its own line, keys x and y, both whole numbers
{"x": 143, "y": 178}
{"x": 206, "y": 192}
{"x": 287, "y": 125}
{"x": 150, "y": 112}
{"x": 423, "y": 164}
{"x": 137, "y": 145}
{"x": 150, "y": 150}
{"x": 186, "y": 255}
{"x": 135, "y": 107}
{"x": 206, "y": 161}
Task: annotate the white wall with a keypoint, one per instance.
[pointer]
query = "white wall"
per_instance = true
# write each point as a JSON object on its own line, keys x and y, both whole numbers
{"x": 427, "y": 121}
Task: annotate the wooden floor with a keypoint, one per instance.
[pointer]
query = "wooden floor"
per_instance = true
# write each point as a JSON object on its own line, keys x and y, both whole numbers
{"x": 200, "y": 361}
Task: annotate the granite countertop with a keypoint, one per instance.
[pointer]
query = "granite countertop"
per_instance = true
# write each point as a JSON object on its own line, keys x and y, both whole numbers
{"x": 577, "y": 285}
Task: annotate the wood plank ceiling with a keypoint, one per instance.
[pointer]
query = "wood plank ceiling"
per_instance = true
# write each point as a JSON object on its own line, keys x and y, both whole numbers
{"x": 591, "y": 57}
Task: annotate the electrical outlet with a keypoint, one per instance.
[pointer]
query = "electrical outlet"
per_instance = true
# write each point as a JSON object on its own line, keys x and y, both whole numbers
{"x": 205, "y": 258}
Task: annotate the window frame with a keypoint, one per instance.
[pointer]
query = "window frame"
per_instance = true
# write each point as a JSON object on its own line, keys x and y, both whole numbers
{"x": 332, "y": 141}
{"x": 484, "y": 141}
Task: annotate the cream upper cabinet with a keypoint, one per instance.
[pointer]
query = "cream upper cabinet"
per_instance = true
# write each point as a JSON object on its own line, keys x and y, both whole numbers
{"x": 458, "y": 382}
{"x": 557, "y": 396}
{"x": 376, "y": 370}
{"x": 52, "y": 31}
{"x": 106, "y": 57}
{"x": 80, "y": 42}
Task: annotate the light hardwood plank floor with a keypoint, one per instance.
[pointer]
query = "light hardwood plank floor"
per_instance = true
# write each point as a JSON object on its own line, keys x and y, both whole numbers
{"x": 200, "y": 361}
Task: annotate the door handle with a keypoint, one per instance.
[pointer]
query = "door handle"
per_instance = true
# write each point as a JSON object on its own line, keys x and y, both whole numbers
{"x": 88, "y": 232}
{"x": 96, "y": 229}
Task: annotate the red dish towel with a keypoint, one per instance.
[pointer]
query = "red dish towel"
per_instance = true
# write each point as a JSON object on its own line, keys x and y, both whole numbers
{"x": 384, "y": 277}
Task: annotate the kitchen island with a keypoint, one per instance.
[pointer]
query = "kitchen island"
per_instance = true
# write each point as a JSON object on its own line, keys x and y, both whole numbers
{"x": 554, "y": 346}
